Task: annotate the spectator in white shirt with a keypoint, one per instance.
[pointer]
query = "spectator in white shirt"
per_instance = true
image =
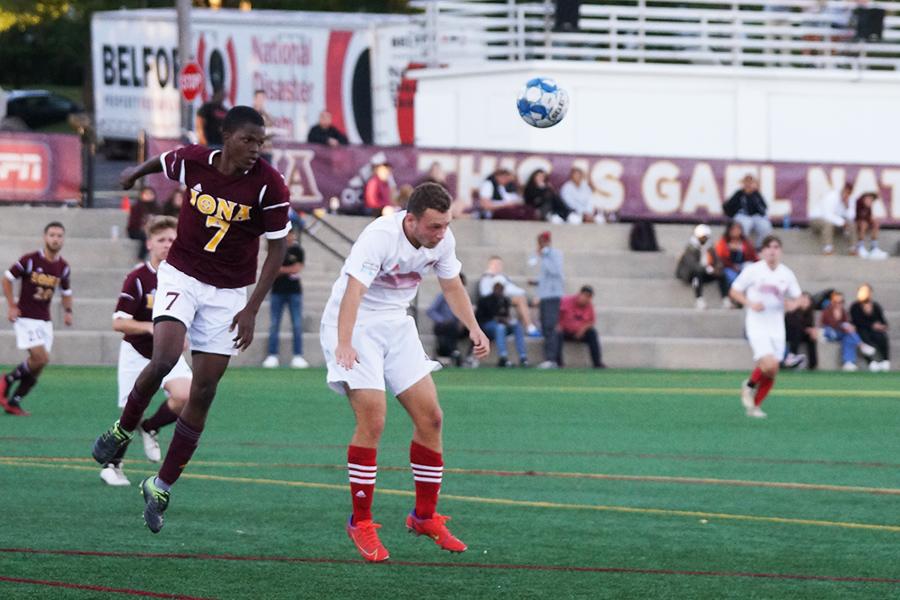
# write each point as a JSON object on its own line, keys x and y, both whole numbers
{"x": 833, "y": 212}
{"x": 578, "y": 195}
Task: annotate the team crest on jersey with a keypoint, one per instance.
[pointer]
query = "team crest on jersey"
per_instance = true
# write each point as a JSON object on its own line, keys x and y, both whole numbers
{"x": 220, "y": 208}
{"x": 42, "y": 279}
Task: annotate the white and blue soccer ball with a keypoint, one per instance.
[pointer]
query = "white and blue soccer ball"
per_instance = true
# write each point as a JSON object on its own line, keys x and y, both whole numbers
{"x": 542, "y": 103}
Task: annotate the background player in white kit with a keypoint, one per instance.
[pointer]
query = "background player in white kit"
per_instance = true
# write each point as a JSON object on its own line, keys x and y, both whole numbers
{"x": 369, "y": 341}
{"x": 766, "y": 288}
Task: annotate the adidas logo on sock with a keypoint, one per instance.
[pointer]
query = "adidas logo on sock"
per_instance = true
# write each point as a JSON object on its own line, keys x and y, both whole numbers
{"x": 360, "y": 494}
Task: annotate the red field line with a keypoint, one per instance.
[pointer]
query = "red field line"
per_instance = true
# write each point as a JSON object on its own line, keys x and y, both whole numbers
{"x": 452, "y": 565}
{"x": 97, "y": 588}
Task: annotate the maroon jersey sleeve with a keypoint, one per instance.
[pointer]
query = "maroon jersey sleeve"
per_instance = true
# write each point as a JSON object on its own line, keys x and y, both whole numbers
{"x": 276, "y": 203}
{"x": 17, "y": 270}
{"x": 65, "y": 280}
{"x": 173, "y": 162}
{"x": 130, "y": 297}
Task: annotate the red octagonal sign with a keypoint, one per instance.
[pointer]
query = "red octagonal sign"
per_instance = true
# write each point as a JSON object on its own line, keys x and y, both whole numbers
{"x": 190, "y": 80}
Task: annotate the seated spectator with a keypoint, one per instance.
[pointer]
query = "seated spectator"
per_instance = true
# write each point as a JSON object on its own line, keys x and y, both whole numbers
{"x": 498, "y": 198}
{"x": 447, "y": 328}
{"x": 435, "y": 175}
{"x": 800, "y": 330}
{"x": 836, "y": 327}
{"x": 867, "y": 224}
{"x": 377, "y": 195}
{"x": 578, "y": 195}
{"x": 138, "y": 216}
{"x": 576, "y": 323}
{"x": 494, "y": 274}
{"x": 831, "y": 214}
{"x": 495, "y": 317}
{"x": 325, "y": 133}
{"x": 699, "y": 265}
{"x": 747, "y": 207}
{"x": 541, "y": 196}
{"x": 734, "y": 251}
{"x": 172, "y": 207}
{"x": 868, "y": 318}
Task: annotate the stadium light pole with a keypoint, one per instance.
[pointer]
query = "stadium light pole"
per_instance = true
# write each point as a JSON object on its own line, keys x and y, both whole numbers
{"x": 183, "y": 8}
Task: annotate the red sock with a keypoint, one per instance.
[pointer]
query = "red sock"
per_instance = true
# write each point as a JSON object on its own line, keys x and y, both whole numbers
{"x": 762, "y": 390}
{"x": 428, "y": 469}
{"x": 755, "y": 376}
{"x": 362, "y": 468}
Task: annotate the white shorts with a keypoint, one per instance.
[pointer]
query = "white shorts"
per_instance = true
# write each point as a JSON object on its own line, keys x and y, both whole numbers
{"x": 766, "y": 339}
{"x": 206, "y": 311}
{"x": 131, "y": 363}
{"x": 389, "y": 352}
{"x": 31, "y": 333}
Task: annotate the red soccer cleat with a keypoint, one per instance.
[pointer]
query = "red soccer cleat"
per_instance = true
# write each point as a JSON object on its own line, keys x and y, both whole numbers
{"x": 436, "y": 530}
{"x": 4, "y": 402}
{"x": 365, "y": 535}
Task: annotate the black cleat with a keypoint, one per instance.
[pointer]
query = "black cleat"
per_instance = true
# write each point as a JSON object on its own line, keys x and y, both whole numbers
{"x": 156, "y": 501}
{"x": 110, "y": 444}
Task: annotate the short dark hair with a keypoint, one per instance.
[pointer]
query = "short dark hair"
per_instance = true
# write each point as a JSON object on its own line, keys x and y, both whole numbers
{"x": 239, "y": 116}
{"x": 428, "y": 195}
{"x": 53, "y": 224}
{"x": 159, "y": 223}
{"x": 586, "y": 289}
{"x": 769, "y": 239}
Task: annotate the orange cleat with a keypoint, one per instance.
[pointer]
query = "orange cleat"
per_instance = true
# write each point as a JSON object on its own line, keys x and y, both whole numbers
{"x": 436, "y": 529}
{"x": 365, "y": 535}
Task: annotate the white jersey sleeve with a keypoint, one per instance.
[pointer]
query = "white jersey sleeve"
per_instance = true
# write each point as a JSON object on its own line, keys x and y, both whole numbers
{"x": 793, "y": 290}
{"x": 745, "y": 279}
{"x": 448, "y": 266}
{"x": 368, "y": 254}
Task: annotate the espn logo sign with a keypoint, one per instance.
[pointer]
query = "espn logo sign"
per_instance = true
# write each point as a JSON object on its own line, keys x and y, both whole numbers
{"x": 24, "y": 168}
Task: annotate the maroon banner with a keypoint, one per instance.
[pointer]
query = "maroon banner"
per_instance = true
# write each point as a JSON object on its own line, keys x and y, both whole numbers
{"x": 39, "y": 167}
{"x": 660, "y": 189}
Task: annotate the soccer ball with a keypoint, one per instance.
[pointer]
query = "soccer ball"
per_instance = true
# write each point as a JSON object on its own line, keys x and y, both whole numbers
{"x": 542, "y": 103}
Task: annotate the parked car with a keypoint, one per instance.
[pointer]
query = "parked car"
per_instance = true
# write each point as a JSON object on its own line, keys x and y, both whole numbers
{"x": 39, "y": 108}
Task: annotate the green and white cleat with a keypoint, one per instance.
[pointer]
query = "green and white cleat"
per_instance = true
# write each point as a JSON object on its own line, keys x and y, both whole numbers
{"x": 111, "y": 444}
{"x": 156, "y": 501}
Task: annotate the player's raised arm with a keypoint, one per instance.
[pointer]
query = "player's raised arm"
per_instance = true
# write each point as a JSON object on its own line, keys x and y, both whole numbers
{"x": 458, "y": 300}
{"x": 130, "y": 175}
{"x": 345, "y": 353}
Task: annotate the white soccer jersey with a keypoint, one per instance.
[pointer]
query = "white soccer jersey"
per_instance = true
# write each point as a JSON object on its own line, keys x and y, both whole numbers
{"x": 770, "y": 287}
{"x": 391, "y": 268}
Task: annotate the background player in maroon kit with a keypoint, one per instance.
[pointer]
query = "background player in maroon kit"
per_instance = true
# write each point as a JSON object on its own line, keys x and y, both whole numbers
{"x": 234, "y": 197}
{"x": 134, "y": 318}
{"x": 40, "y": 273}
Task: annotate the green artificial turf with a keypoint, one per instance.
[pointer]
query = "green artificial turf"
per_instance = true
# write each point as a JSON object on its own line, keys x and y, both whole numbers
{"x": 572, "y": 484}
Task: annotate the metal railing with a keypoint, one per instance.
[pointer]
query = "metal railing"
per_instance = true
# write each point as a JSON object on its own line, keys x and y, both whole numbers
{"x": 750, "y": 33}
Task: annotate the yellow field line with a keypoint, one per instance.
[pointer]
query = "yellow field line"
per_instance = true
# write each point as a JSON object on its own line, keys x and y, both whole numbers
{"x": 504, "y": 501}
{"x": 787, "y": 485}
{"x": 671, "y": 391}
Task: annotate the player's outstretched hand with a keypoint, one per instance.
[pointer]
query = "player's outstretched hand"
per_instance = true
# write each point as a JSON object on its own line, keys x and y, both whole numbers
{"x": 12, "y": 314}
{"x": 245, "y": 322}
{"x": 67, "y": 319}
{"x": 346, "y": 356}
{"x": 481, "y": 345}
{"x": 757, "y": 306}
{"x": 127, "y": 178}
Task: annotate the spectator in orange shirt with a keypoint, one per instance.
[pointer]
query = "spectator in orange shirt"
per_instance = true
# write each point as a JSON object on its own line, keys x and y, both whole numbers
{"x": 576, "y": 323}
{"x": 734, "y": 251}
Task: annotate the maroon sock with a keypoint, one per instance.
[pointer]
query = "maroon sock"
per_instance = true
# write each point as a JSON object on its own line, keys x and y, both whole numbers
{"x": 133, "y": 411}
{"x": 184, "y": 442}
{"x": 428, "y": 469}
{"x": 362, "y": 469}
{"x": 18, "y": 372}
{"x": 27, "y": 382}
{"x": 162, "y": 417}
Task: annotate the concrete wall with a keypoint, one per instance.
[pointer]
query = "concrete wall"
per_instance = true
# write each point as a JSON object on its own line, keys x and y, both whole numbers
{"x": 678, "y": 111}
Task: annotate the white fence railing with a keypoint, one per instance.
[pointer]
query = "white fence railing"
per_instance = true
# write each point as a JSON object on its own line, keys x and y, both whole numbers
{"x": 748, "y": 34}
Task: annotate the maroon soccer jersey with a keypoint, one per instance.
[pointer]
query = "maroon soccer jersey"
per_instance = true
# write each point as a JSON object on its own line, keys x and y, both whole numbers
{"x": 39, "y": 280}
{"x": 136, "y": 301}
{"x": 223, "y": 216}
